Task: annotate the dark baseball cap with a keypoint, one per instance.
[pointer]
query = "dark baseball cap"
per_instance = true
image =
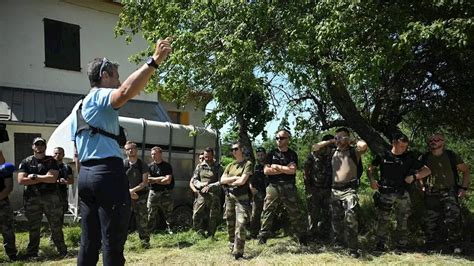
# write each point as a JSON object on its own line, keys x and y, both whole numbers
{"x": 400, "y": 137}
{"x": 39, "y": 139}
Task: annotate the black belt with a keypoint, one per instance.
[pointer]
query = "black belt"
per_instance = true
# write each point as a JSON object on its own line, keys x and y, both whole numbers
{"x": 436, "y": 191}
{"x": 388, "y": 189}
{"x": 160, "y": 189}
{"x": 94, "y": 162}
{"x": 344, "y": 186}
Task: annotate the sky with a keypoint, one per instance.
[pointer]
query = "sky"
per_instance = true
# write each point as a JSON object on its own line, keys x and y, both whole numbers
{"x": 271, "y": 127}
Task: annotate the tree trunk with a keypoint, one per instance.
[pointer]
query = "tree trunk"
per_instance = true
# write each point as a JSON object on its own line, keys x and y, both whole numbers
{"x": 346, "y": 107}
{"x": 244, "y": 137}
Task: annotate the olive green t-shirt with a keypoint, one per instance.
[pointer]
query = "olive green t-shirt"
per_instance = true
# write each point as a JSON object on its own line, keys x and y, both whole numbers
{"x": 239, "y": 168}
{"x": 442, "y": 176}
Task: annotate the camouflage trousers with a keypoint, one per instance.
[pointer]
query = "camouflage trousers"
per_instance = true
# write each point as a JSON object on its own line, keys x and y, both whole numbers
{"x": 51, "y": 205}
{"x": 64, "y": 200}
{"x": 140, "y": 210}
{"x": 319, "y": 215}
{"x": 442, "y": 212}
{"x": 256, "y": 213}
{"x": 206, "y": 212}
{"x": 344, "y": 205}
{"x": 7, "y": 227}
{"x": 237, "y": 210}
{"x": 401, "y": 203}
{"x": 159, "y": 202}
{"x": 277, "y": 196}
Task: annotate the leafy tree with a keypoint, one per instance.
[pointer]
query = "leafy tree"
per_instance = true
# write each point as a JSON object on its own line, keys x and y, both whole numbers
{"x": 217, "y": 52}
{"x": 369, "y": 65}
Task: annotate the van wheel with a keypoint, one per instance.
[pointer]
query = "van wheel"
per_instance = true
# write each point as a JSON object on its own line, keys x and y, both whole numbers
{"x": 183, "y": 217}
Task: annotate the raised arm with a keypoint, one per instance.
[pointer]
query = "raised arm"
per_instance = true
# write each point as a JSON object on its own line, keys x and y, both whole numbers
{"x": 138, "y": 79}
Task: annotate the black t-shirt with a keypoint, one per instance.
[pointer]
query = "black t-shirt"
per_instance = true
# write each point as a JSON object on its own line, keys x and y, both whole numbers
{"x": 259, "y": 180}
{"x": 64, "y": 171}
{"x": 32, "y": 165}
{"x": 135, "y": 172}
{"x": 282, "y": 158}
{"x": 394, "y": 168}
{"x": 161, "y": 169}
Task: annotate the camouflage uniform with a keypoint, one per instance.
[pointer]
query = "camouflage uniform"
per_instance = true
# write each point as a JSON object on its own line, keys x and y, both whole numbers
{"x": 237, "y": 206}
{"x": 42, "y": 198}
{"x": 259, "y": 181}
{"x": 441, "y": 201}
{"x": 7, "y": 223}
{"x": 159, "y": 198}
{"x": 318, "y": 191}
{"x": 281, "y": 192}
{"x": 139, "y": 206}
{"x": 344, "y": 199}
{"x": 344, "y": 205}
{"x": 402, "y": 212}
{"x": 393, "y": 194}
{"x": 207, "y": 205}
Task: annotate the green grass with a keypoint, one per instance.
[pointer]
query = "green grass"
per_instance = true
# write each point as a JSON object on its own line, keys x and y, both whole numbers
{"x": 189, "y": 248}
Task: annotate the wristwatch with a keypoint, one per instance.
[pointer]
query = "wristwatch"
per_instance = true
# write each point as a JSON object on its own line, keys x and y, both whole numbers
{"x": 151, "y": 62}
{"x": 34, "y": 176}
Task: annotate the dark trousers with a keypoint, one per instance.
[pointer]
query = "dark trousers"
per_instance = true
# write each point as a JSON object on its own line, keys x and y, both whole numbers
{"x": 105, "y": 211}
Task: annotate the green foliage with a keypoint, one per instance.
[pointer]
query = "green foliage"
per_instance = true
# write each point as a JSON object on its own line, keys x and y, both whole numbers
{"x": 216, "y": 53}
{"x": 72, "y": 235}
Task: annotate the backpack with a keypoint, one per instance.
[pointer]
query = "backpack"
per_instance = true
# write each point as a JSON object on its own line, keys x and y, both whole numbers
{"x": 452, "y": 162}
{"x": 353, "y": 155}
{"x": 83, "y": 125}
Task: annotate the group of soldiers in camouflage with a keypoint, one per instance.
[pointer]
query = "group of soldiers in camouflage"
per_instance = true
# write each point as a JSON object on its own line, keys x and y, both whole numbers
{"x": 332, "y": 174}
{"x": 45, "y": 179}
{"x": 252, "y": 201}
{"x": 150, "y": 190}
{"x": 256, "y": 195}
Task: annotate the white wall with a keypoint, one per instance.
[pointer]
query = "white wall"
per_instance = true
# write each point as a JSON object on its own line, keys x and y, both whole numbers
{"x": 22, "y": 43}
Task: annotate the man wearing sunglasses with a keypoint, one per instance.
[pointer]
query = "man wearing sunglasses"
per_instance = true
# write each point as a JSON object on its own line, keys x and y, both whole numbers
{"x": 102, "y": 183}
{"x": 442, "y": 194}
{"x": 237, "y": 202}
{"x": 344, "y": 198}
{"x": 280, "y": 167}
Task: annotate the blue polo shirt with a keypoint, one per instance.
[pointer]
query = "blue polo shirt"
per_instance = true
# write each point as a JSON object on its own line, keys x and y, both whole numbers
{"x": 97, "y": 110}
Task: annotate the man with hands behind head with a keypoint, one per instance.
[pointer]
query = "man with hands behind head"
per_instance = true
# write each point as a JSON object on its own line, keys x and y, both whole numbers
{"x": 345, "y": 161}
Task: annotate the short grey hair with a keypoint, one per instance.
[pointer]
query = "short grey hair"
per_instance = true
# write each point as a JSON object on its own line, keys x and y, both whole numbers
{"x": 93, "y": 69}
